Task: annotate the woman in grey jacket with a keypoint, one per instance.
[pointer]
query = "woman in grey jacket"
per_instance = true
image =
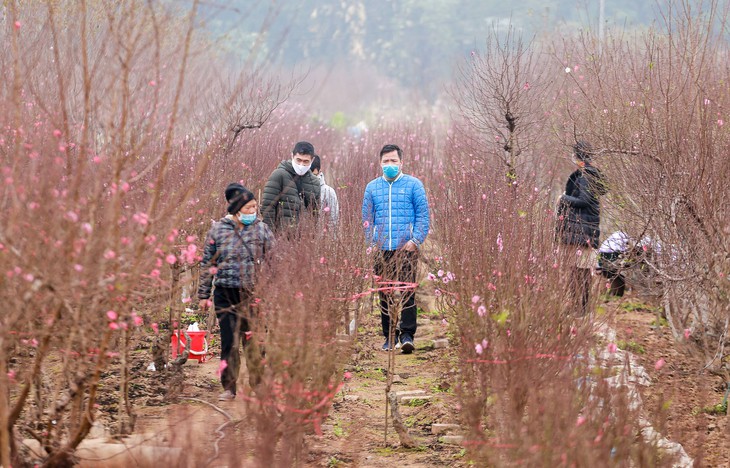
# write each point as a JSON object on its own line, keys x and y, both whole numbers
{"x": 234, "y": 249}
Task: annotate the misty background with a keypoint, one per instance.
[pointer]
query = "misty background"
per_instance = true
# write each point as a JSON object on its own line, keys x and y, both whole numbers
{"x": 357, "y": 58}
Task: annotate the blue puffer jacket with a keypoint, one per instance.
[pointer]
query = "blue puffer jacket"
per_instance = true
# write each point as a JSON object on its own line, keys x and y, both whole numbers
{"x": 394, "y": 213}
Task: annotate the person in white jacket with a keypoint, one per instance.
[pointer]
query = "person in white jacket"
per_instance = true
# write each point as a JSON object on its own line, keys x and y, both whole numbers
{"x": 328, "y": 198}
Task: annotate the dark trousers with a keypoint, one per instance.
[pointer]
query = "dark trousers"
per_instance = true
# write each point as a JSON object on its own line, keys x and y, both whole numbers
{"x": 233, "y": 309}
{"x": 397, "y": 265}
{"x": 581, "y": 290}
{"x": 611, "y": 269}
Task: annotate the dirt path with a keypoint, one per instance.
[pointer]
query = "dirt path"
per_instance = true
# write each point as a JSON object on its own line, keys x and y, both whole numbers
{"x": 354, "y": 433}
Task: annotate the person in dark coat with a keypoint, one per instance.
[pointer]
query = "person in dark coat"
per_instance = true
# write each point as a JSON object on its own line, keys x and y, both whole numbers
{"x": 234, "y": 249}
{"x": 579, "y": 217}
{"x": 291, "y": 191}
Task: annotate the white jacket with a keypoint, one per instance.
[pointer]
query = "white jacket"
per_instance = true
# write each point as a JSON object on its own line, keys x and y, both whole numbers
{"x": 328, "y": 199}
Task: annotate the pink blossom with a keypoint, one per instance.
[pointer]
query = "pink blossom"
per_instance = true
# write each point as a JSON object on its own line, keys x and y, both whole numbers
{"x": 659, "y": 364}
{"x": 16, "y": 25}
{"x": 687, "y": 333}
{"x": 137, "y": 320}
{"x": 437, "y": 292}
{"x": 29, "y": 277}
{"x": 440, "y": 273}
{"x": 155, "y": 273}
{"x": 189, "y": 253}
{"x": 71, "y": 216}
{"x": 11, "y": 375}
{"x": 430, "y": 277}
{"x": 187, "y": 300}
{"x": 57, "y": 133}
{"x": 113, "y": 326}
{"x": 499, "y": 242}
{"x": 140, "y": 218}
{"x": 222, "y": 367}
{"x": 484, "y": 196}
{"x": 110, "y": 255}
{"x": 189, "y": 239}
{"x": 153, "y": 83}
{"x": 720, "y": 122}
{"x": 155, "y": 327}
{"x": 213, "y": 270}
{"x": 348, "y": 375}
{"x": 444, "y": 323}
{"x": 478, "y": 348}
{"x": 322, "y": 260}
{"x": 612, "y": 348}
{"x": 299, "y": 295}
{"x": 171, "y": 259}
{"x": 579, "y": 422}
{"x": 475, "y": 299}
{"x": 111, "y": 315}
{"x": 326, "y": 209}
{"x": 481, "y": 311}
{"x": 248, "y": 335}
{"x": 366, "y": 224}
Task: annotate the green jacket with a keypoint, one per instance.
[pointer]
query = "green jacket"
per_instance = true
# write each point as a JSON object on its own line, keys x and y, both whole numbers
{"x": 287, "y": 195}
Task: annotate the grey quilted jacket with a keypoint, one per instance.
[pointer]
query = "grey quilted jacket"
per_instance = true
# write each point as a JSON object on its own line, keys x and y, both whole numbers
{"x": 232, "y": 255}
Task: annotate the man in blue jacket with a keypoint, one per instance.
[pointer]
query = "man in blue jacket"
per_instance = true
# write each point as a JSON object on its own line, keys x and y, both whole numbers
{"x": 396, "y": 221}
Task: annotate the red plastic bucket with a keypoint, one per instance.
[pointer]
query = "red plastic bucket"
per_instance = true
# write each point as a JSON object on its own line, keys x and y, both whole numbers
{"x": 198, "y": 344}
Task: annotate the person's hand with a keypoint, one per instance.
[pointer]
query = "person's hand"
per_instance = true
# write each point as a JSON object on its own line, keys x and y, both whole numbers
{"x": 410, "y": 246}
{"x": 204, "y": 304}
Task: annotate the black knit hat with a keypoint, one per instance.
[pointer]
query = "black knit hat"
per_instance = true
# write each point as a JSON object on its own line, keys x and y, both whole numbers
{"x": 237, "y": 195}
{"x": 303, "y": 147}
{"x": 583, "y": 151}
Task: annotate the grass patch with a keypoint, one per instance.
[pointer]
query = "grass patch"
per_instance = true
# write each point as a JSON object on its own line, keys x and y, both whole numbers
{"x": 385, "y": 451}
{"x": 662, "y": 322}
{"x": 631, "y": 346}
{"x": 633, "y": 306}
{"x": 416, "y": 402}
{"x": 720, "y": 408}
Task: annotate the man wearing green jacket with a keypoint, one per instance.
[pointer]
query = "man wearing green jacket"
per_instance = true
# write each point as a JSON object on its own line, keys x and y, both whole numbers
{"x": 291, "y": 191}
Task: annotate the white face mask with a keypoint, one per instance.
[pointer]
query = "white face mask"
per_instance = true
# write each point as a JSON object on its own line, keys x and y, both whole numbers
{"x": 299, "y": 169}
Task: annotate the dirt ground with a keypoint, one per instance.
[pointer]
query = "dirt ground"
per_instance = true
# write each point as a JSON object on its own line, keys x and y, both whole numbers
{"x": 354, "y": 434}
{"x": 680, "y": 390}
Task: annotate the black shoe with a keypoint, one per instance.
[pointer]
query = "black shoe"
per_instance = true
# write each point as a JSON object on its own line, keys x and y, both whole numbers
{"x": 406, "y": 344}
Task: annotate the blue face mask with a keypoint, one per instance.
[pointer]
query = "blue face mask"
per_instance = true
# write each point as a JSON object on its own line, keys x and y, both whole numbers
{"x": 247, "y": 218}
{"x": 391, "y": 171}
